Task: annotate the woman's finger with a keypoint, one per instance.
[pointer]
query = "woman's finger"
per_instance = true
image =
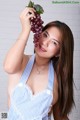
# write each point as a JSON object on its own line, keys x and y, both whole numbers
{"x": 27, "y": 11}
{"x": 29, "y": 15}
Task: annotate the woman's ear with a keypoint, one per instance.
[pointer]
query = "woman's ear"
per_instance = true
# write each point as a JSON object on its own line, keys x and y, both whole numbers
{"x": 57, "y": 55}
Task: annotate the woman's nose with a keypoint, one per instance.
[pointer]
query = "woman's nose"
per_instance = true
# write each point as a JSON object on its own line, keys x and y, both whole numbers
{"x": 45, "y": 42}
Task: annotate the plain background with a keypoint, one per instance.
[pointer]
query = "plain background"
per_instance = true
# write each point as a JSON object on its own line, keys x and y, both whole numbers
{"x": 10, "y": 27}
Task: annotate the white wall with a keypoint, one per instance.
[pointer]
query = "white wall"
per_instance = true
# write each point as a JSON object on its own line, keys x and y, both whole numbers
{"x": 10, "y": 28}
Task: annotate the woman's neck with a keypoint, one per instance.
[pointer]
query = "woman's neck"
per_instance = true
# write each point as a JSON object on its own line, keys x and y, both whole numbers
{"x": 40, "y": 61}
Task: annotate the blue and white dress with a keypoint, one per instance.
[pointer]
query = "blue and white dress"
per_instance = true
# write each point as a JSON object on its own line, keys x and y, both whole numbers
{"x": 25, "y": 105}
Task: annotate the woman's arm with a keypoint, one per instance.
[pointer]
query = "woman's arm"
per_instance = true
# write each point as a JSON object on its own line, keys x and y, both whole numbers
{"x": 56, "y": 113}
{"x": 14, "y": 57}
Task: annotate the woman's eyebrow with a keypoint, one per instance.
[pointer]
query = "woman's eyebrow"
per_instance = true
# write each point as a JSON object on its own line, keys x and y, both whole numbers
{"x": 53, "y": 38}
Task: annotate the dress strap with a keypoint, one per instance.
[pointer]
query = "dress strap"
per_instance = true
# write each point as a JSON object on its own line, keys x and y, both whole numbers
{"x": 27, "y": 69}
{"x": 51, "y": 76}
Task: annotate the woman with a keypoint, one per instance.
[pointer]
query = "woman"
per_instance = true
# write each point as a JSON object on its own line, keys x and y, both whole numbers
{"x": 42, "y": 83}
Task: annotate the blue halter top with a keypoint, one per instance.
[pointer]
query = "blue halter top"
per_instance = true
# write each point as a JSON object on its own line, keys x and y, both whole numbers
{"x": 25, "y": 105}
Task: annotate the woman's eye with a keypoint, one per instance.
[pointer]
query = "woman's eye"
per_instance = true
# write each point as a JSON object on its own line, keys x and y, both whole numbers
{"x": 54, "y": 43}
{"x": 44, "y": 34}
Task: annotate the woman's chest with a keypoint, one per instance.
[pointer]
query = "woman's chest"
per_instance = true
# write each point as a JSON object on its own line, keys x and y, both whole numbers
{"x": 37, "y": 82}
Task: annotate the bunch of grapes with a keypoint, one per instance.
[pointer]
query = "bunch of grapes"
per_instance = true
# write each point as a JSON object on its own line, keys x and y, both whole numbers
{"x": 36, "y": 26}
{"x": 36, "y": 23}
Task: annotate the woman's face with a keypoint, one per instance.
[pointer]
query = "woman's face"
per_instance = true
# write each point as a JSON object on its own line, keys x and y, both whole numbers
{"x": 48, "y": 45}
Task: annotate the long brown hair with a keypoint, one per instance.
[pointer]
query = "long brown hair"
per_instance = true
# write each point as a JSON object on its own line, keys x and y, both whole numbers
{"x": 63, "y": 66}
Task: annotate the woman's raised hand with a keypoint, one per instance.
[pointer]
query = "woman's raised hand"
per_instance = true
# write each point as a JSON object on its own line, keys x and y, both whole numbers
{"x": 25, "y": 17}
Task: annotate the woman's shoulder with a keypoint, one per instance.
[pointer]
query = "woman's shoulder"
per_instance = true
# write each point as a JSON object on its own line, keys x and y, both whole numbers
{"x": 25, "y": 60}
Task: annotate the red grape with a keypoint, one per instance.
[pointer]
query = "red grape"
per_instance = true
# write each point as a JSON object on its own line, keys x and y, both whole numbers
{"x": 36, "y": 26}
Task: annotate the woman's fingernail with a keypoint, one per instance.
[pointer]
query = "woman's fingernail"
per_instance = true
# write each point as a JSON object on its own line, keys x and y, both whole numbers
{"x": 29, "y": 13}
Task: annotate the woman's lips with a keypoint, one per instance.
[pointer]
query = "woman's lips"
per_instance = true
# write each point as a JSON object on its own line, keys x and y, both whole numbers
{"x": 42, "y": 48}
{"x": 37, "y": 44}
